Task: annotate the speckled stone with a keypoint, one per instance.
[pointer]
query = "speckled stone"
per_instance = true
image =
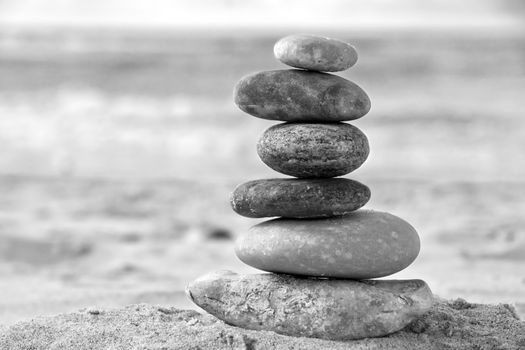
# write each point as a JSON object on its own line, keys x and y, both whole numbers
{"x": 300, "y": 96}
{"x": 313, "y": 150}
{"x": 299, "y": 198}
{"x": 315, "y": 53}
{"x": 360, "y": 245}
{"x": 319, "y": 308}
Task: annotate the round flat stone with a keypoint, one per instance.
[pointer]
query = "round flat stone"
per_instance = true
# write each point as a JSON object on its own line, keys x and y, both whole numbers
{"x": 315, "y": 53}
{"x": 300, "y": 96}
{"x": 313, "y": 150}
{"x": 299, "y": 198}
{"x": 306, "y": 307}
{"x": 360, "y": 245}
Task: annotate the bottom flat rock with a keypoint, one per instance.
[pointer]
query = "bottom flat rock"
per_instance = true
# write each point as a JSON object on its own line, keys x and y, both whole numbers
{"x": 333, "y": 309}
{"x": 448, "y": 325}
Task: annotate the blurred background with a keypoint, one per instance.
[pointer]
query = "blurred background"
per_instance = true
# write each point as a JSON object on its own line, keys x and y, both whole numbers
{"x": 120, "y": 142}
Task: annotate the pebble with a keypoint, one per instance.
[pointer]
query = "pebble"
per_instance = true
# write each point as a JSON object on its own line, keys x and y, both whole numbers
{"x": 313, "y": 150}
{"x": 360, "y": 245}
{"x": 307, "y": 307}
{"x": 299, "y": 198}
{"x": 315, "y": 53}
{"x": 300, "y": 96}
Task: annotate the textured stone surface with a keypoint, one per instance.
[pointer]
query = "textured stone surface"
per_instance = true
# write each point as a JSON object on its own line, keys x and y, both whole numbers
{"x": 300, "y": 96}
{"x": 360, "y": 245}
{"x": 319, "y": 308}
{"x": 448, "y": 325}
{"x": 315, "y": 53}
{"x": 299, "y": 198}
{"x": 313, "y": 150}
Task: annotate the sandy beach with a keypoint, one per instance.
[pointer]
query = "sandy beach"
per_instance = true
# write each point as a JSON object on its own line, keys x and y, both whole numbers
{"x": 120, "y": 150}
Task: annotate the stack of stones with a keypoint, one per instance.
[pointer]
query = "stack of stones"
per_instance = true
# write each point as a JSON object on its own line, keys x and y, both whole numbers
{"x": 322, "y": 252}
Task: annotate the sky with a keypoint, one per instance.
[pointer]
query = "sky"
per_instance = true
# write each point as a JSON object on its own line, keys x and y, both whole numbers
{"x": 258, "y": 13}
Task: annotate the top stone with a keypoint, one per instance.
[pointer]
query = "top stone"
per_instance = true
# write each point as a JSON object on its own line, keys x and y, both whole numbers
{"x": 315, "y": 53}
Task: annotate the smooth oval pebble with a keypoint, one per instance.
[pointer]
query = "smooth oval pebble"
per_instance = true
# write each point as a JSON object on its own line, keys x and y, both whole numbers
{"x": 306, "y": 307}
{"x": 300, "y": 96}
{"x": 313, "y": 150}
{"x": 363, "y": 244}
{"x": 299, "y": 198}
{"x": 315, "y": 53}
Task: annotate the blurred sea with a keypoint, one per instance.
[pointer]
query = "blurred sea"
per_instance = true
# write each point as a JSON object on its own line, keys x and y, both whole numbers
{"x": 157, "y": 104}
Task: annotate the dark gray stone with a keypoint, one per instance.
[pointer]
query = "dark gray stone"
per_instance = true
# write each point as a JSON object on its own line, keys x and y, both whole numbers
{"x": 300, "y": 96}
{"x": 299, "y": 198}
{"x": 360, "y": 245}
{"x": 319, "y": 308}
{"x": 315, "y": 53}
{"x": 313, "y": 150}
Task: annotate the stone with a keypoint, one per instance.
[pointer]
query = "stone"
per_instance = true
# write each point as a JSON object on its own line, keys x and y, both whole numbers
{"x": 300, "y": 96}
{"x": 315, "y": 53}
{"x": 313, "y": 150}
{"x": 360, "y": 245}
{"x": 306, "y": 307}
{"x": 299, "y": 198}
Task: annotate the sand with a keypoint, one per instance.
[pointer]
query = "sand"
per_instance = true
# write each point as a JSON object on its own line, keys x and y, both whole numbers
{"x": 449, "y": 325}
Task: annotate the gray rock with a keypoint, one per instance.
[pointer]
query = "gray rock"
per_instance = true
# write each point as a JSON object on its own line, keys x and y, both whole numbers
{"x": 299, "y": 198}
{"x": 315, "y": 53}
{"x": 360, "y": 245}
{"x": 313, "y": 150}
{"x": 319, "y": 308}
{"x": 300, "y": 96}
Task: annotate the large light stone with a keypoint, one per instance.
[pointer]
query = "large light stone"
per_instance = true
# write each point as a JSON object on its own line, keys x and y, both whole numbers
{"x": 303, "y": 307}
{"x": 360, "y": 245}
